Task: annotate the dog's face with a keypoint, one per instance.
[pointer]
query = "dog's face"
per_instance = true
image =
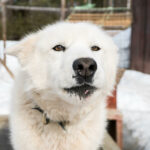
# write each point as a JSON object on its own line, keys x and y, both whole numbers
{"x": 74, "y": 62}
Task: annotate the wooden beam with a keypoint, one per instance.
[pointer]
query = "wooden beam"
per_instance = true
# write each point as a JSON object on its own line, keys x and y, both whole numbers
{"x": 4, "y": 1}
{"x": 119, "y": 128}
{"x": 129, "y": 4}
{"x": 138, "y": 34}
{"x": 109, "y": 143}
{"x": 3, "y": 121}
{"x": 7, "y": 69}
{"x": 140, "y": 45}
{"x": 53, "y": 9}
{"x": 32, "y": 8}
{"x": 147, "y": 43}
{"x": 4, "y": 18}
{"x": 104, "y": 9}
{"x": 114, "y": 114}
{"x": 111, "y": 3}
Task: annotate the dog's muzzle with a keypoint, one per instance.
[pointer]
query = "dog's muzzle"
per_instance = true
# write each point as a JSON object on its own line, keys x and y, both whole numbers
{"x": 83, "y": 91}
{"x": 85, "y": 69}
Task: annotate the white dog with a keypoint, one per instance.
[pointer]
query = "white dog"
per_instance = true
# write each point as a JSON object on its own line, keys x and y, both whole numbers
{"x": 59, "y": 97}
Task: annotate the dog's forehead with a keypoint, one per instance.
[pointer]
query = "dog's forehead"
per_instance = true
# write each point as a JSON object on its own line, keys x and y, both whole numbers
{"x": 69, "y": 33}
{"x": 74, "y": 30}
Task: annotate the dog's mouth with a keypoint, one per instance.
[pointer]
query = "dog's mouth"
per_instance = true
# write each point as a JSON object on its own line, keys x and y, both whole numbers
{"x": 83, "y": 91}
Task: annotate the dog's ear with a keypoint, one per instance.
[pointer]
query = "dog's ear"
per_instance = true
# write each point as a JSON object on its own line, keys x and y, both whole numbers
{"x": 22, "y": 49}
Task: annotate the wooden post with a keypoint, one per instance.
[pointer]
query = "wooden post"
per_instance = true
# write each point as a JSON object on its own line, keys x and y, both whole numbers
{"x": 129, "y": 4}
{"x": 115, "y": 115}
{"x": 33, "y": 8}
{"x": 3, "y": 121}
{"x": 140, "y": 45}
{"x": 3, "y": 6}
{"x": 109, "y": 143}
{"x": 63, "y": 9}
{"x": 147, "y": 43}
{"x": 4, "y": 19}
{"x": 71, "y": 3}
{"x": 7, "y": 69}
{"x": 85, "y": 1}
{"x": 119, "y": 128}
{"x": 111, "y": 4}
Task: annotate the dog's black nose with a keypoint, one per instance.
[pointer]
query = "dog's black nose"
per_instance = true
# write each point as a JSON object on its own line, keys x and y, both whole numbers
{"x": 85, "y": 67}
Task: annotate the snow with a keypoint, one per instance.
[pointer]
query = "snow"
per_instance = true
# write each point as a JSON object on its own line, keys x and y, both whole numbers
{"x": 122, "y": 40}
{"x": 134, "y": 102}
{"x": 8, "y": 43}
{"x": 134, "y": 87}
{"x": 6, "y": 81}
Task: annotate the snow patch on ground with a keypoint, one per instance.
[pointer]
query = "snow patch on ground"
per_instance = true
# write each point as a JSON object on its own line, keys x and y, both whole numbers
{"x": 8, "y": 44}
{"x": 134, "y": 102}
{"x": 122, "y": 40}
{"x": 6, "y": 81}
{"x": 134, "y": 87}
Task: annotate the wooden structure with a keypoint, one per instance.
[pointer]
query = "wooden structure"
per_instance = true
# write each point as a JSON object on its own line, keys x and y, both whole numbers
{"x": 109, "y": 143}
{"x": 106, "y": 20}
{"x": 140, "y": 45}
{"x": 115, "y": 126}
{"x": 63, "y": 11}
{"x": 4, "y": 33}
{"x": 3, "y": 7}
{"x": 115, "y": 122}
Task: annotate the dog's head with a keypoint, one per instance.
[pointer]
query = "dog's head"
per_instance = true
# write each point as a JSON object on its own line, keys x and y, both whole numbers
{"x": 74, "y": 61}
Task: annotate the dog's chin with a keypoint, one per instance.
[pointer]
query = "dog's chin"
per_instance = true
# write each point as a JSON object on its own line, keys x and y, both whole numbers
{"x": 83, "y": 91}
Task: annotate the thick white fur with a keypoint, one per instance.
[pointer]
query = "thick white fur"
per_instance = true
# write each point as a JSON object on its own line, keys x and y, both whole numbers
{"x": 45, "y": 72}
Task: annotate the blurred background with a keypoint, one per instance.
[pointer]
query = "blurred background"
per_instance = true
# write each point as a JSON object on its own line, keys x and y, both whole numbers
{"x": 126, "y": 21}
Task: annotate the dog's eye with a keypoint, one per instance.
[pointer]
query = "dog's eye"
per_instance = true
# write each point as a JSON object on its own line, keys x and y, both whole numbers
{"x": 59, "y": 48}
{"x": 95, "y": 48}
